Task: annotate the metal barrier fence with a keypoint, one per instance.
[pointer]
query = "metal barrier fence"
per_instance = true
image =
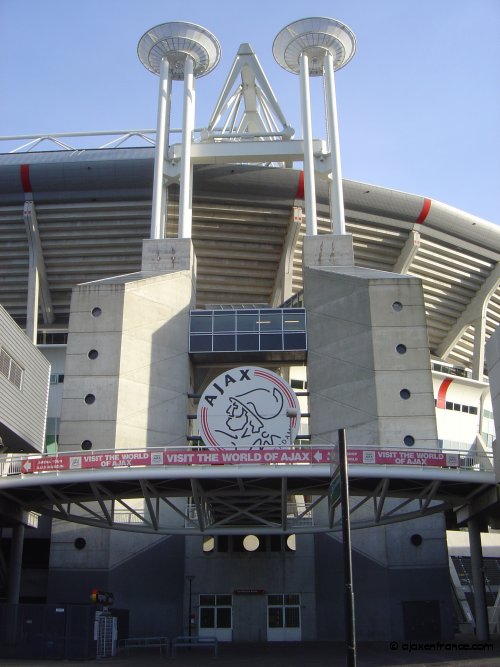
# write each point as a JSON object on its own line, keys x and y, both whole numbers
{"x": 29, "y": 464}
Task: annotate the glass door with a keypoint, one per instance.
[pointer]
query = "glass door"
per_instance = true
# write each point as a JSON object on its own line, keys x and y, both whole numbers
{"x": 283, "y": 618}
{"x": 216, "y": 617}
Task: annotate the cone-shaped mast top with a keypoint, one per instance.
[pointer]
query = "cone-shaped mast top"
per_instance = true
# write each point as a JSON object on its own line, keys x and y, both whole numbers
{"x": 315, "y": 37}
{"x": 176, "y": 41}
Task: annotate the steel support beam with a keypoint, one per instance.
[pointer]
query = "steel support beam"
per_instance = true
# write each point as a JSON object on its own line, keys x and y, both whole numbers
{"x": 309, "y": 181}
{"x": 160, "y": 203}
{"x": 337, "y": 215}
{"x": 15, "y": 564}
{"x": 38, "y": 286}
{"x": 476, "y": 557}
{"x": 186, "y": 178}
{"x": 408, "y": 252}
{"x": 475, "y": 309}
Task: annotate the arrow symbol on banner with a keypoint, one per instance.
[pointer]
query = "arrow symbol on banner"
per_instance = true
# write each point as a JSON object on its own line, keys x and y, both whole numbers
{"x": 26, "y": 466}
{"x": 318, "y": 457}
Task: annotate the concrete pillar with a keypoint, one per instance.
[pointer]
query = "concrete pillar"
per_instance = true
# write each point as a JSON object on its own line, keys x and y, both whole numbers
{"x": 369, "y": 367}
{"x": 15, "y": 565}
{"x": 476, "y": 557}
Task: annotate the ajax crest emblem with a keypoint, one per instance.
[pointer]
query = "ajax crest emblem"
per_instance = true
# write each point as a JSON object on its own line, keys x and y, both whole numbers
{"x": 250, "y": 408}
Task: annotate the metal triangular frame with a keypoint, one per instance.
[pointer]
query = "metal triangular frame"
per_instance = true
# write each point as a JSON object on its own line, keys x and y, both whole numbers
{"x": 248, "y": 109}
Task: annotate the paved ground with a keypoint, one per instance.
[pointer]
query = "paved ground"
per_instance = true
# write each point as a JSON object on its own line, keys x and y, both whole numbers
{"x": 310, "y": 654}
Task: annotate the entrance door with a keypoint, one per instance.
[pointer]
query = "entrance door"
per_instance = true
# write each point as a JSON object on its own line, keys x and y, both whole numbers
{"x": 216, "y": 617}
{"x": 283, "y": 618}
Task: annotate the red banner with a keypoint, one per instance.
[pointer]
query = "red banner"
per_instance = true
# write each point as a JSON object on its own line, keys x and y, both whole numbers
{"x": 188, "y": 457}
{"x": 403, "y": 457}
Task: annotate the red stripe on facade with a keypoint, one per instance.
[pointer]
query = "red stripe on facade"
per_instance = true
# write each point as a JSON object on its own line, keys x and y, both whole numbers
{"x": 300, "y": 187}
{"x": 443, "y": 388}
{"x": 424, "y": 212}
{"x": 25, "y": 178}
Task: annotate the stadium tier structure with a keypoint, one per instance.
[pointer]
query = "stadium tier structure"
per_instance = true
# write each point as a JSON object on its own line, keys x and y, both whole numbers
{"x": 214, "y": 312}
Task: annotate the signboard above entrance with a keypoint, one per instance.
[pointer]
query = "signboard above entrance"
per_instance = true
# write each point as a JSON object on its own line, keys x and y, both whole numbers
{"x": 248, "y": 407}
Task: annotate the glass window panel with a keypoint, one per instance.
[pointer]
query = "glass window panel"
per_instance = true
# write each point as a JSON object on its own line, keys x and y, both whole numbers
{"x": 224, "y": 617}
{"x": 201, "y": 323}
{"x": 274, "y": 599}
{"x": 247, "y": 322}
{"x": 275, "y": 617}
{"x": 270, "y": 322}
{"x": 271, "y": 342}
{"x": 207, "y": 617}
{"x": 223, "y": 543}
{"x": 224, "y": 321}
{"x": 295, "y": 341}
{"x": 275, "y": 543}
{"x": 208, "y": 544}
{"x": 224, "y": 600}
{"x": 207, "y": 600}
{"x": 224, "y": 343}
{"x": 294, "y": 321}
{"x": 292, "y": 617}
{"x": 247, "y": 342}
{"x": 292, "y": 599}
{"x": 200, "y": 343}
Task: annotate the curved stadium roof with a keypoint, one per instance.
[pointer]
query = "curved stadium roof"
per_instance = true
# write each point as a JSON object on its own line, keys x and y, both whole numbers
{"x": 94, "y": 206}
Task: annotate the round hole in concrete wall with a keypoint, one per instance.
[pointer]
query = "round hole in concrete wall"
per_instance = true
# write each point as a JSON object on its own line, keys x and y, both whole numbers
{"x": 93, "y": 354}
{"x": 96, "y": 312}
{"x": 80, "y": 543}
{"x": 416, "y": 539}
{"x": 405, "y": 393}
{"x": 409, "y": 440}
{"x": 397, "y": 305}
{"x": 401, "y": 348}
{"x": 89, "y": 399}
{"x": 87, "y": 444}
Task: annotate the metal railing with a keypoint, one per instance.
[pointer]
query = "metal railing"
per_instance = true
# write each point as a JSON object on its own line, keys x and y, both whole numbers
{"x": 101, "y": 139}
{"x": 71, "y": 461}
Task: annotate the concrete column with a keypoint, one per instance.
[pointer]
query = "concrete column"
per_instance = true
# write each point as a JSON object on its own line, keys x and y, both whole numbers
{"x": 476, "y": 556}
{"x": 15, "y": 566}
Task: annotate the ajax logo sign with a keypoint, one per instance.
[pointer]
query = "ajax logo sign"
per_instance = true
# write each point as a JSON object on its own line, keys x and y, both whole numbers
{"x": 250, "y": 408}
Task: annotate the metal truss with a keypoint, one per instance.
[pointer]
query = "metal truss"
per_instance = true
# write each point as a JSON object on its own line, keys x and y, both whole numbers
{"x": 233, "y": 503}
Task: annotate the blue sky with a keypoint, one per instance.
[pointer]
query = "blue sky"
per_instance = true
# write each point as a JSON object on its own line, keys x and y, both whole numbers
{"x": 419, "y": 104}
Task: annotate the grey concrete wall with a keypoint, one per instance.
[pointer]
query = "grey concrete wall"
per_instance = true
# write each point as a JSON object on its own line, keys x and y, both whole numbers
{"x": 356, "y": 319}
{"x": 142, "y": 374}
{"x": 271, "y": 572}
{"x": 403, "y": 573}
{"x": 149, "y": 583}
{"x": 140, "y": 378}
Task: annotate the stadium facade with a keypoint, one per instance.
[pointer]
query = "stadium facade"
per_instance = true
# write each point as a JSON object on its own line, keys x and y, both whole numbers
{"x": 140, "y": 303}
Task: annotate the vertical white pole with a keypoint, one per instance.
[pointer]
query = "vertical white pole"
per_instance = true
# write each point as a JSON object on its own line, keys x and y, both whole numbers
{"x": 162, "y": 140}
{"x": 185, "y": 206}
{"x": 337, "y": 214}
{"x": 309, "y": 183}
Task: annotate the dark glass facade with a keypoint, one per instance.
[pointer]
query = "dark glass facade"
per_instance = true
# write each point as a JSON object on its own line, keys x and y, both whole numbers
{"x": 256, "y": 330}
